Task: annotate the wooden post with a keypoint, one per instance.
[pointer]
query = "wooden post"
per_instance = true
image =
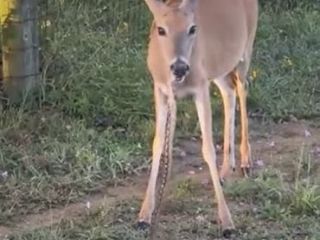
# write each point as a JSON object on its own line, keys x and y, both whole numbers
{"x": 20, "y": 48}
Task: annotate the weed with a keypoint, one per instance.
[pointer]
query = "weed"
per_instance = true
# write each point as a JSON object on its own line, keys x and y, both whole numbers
{"x": 185, "y": 189}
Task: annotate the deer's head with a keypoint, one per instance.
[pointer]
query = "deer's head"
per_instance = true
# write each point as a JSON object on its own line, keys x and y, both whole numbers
{"x": 175, "y": 30}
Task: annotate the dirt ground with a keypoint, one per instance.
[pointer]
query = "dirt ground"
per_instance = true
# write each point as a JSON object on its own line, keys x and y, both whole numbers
{"x": 275, "y": 146}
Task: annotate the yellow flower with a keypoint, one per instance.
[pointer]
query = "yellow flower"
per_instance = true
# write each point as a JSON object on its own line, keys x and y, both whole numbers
{"x": 289, "y": 62}
{"x": 254, "y": 74}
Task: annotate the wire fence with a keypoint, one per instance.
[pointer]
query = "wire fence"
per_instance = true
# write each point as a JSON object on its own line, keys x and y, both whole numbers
{"x": 112, "y": 16}
{"x": 120, "y": 22}
{"x": 124, "y": 21}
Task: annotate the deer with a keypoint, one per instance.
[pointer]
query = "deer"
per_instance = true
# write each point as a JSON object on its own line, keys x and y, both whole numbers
{"x": 194, "y": 43}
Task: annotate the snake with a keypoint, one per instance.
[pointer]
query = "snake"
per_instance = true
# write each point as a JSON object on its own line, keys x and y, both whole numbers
{"x": 163, "y": 174}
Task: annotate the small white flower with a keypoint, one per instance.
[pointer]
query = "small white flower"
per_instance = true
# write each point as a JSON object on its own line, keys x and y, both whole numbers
{"x": 307, "y": 133}
{"x": 259, "y": 163}
{"x": 3, "y": 175}
{"x": 272, "y": 144}
{"x": 218, "y": 147}
{"x": 88, "y": 205}
{"x": 183, "y": 153}
{"x": 200, "y": 218}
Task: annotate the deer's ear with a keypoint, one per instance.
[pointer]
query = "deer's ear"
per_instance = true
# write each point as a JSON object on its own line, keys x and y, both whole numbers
{"x": 189, "y": 5}
{"x": 155, "y": 6}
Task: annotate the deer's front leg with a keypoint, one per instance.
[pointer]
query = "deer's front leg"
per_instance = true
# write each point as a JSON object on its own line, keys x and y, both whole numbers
{"x": 202, "y": 101}
{"x": 148, "y": 205}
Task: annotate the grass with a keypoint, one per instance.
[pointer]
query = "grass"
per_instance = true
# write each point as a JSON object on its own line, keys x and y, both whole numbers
{"x": 286, "y": 64}
{"x": 52, "y": 160}
{"x": 92, "y": 120}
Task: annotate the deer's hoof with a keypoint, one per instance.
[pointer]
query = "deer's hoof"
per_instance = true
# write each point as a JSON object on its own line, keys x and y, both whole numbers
{"x": 142, "y": 225}
{"x": 246, "y": 171}
{"x": 228, "y": 232}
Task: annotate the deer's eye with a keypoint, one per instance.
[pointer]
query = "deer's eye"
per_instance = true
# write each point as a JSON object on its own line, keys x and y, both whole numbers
{"x": 161, "y": 31}
{"x": 193, "y": 30}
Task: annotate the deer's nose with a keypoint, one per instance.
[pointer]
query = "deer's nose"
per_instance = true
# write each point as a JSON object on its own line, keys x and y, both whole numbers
{"x": 179, "y": 68}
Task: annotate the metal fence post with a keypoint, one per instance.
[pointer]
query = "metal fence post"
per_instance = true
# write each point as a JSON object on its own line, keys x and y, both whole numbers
{"x": 20, "y": 47}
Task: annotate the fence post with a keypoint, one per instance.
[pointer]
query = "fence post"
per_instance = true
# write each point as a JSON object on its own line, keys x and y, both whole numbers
{"x": 20, "y": 48}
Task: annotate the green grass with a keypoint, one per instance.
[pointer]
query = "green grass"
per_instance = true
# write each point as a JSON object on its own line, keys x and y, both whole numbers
{"x": 52, "y": 159}
{"x": 92, "y": 121}
{"x": 287, "y": 65}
